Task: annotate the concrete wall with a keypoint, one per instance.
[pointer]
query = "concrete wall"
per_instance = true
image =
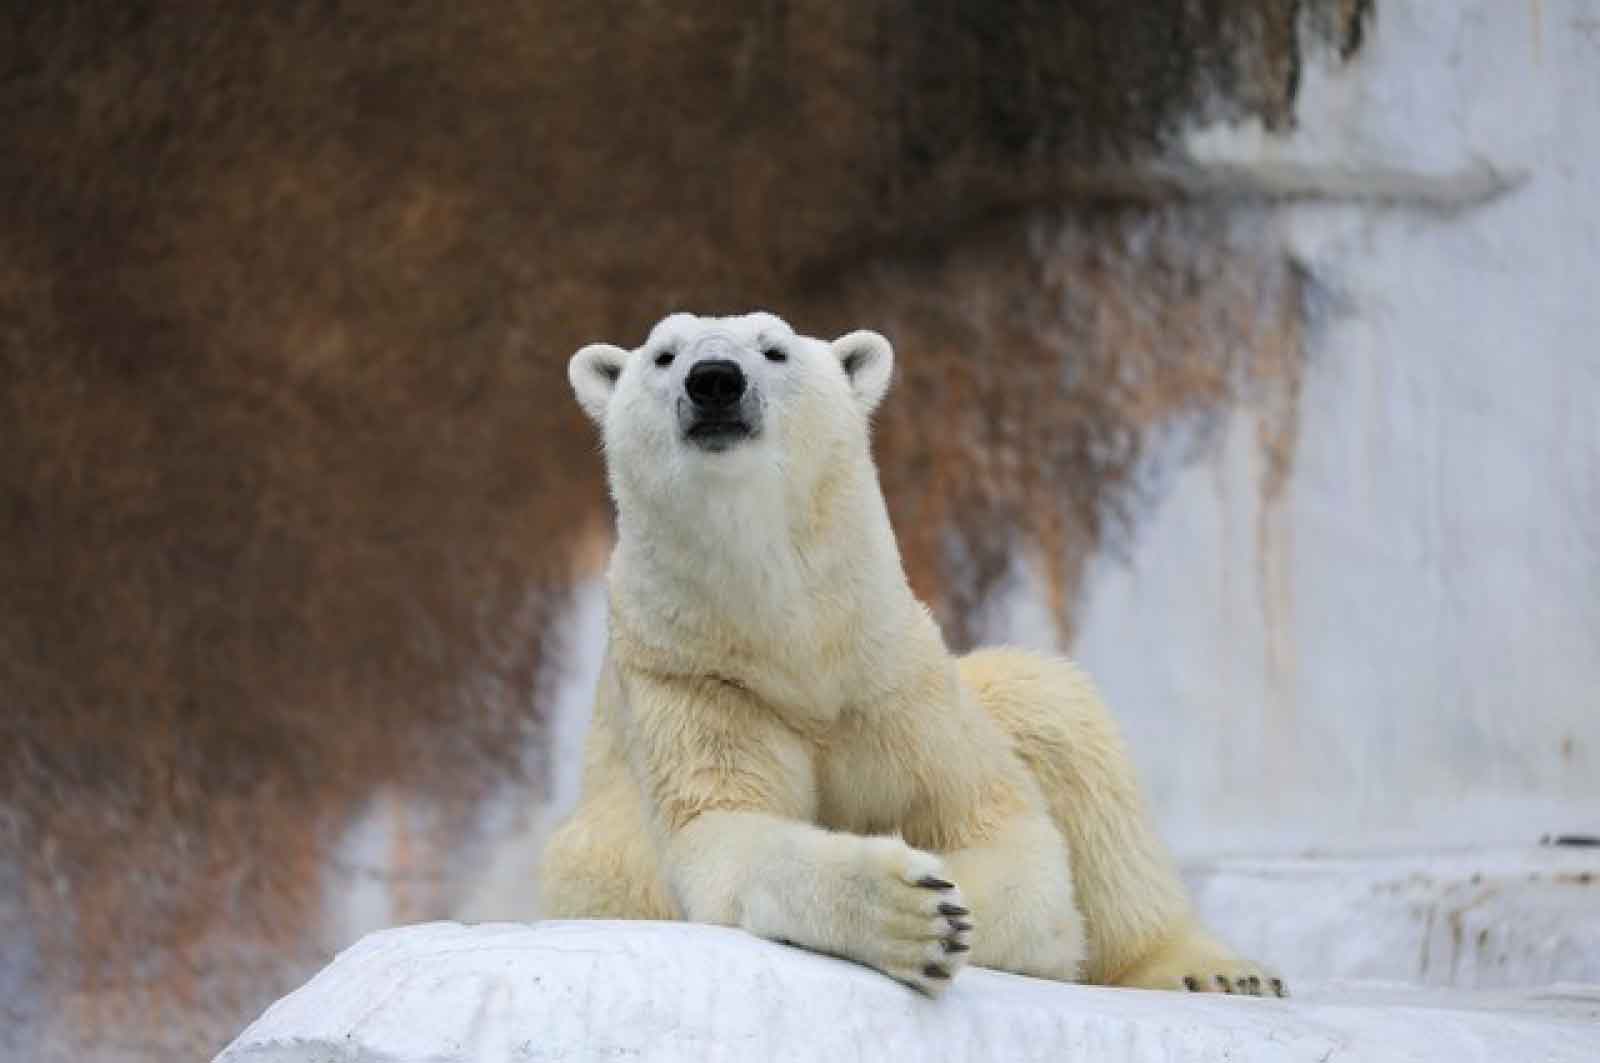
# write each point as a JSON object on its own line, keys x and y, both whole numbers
{"x": 1393, "y": 636}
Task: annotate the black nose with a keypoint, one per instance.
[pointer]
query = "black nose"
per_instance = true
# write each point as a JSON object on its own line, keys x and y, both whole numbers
{"x": 715, "y": 384}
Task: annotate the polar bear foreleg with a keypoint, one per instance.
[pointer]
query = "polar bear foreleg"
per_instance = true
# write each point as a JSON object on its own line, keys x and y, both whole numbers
{"x": 874, "y": 900}
{"x": 732, "y": 794}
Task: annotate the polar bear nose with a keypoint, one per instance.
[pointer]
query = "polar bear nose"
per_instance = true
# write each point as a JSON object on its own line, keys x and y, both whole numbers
{"x": 715, "y": 384}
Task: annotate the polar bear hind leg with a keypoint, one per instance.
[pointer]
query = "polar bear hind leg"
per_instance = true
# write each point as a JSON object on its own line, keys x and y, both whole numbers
{"x": 1141, "y": 930}
{"x": 600, "y": 863}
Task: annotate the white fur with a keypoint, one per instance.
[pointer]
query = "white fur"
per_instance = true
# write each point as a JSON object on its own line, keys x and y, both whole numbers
{"x": 781, "y": 740}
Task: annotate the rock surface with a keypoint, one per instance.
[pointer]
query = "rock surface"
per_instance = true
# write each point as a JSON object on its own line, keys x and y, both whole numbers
{"x": 444, "y": 992}
{"x": 1489, "y": 919}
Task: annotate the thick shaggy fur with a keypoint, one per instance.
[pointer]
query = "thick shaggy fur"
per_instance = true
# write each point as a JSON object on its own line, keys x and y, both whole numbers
{"x": 781, "y": 740}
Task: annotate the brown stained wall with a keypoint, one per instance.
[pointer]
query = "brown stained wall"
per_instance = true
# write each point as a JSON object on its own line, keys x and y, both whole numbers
{"x": 292, "y": 490}
{"x": 1041, "y": 360}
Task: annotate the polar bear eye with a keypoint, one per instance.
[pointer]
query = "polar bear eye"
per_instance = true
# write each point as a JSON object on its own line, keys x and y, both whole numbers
{"x": 776, "y": 354}
{"x": 664, "y": 359}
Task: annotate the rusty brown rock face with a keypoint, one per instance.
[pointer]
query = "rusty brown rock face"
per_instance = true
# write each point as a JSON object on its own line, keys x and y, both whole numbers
{"x": 1041, "y": 358}
{"x": 292, "y": 490}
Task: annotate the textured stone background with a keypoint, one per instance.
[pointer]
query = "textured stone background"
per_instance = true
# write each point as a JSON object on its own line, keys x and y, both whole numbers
{"x": 293, "y": 495}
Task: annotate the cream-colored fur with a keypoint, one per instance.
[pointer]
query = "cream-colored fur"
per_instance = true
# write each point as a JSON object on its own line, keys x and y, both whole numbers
{"x": 782, "y": 742}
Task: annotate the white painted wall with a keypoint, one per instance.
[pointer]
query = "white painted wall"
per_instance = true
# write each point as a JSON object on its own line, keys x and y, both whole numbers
{"x": 1404, "y": 647}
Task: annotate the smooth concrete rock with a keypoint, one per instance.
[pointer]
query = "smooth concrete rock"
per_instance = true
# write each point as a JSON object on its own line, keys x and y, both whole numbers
{"x": 444, "y": 992}
{"x": 1461, "y": 919}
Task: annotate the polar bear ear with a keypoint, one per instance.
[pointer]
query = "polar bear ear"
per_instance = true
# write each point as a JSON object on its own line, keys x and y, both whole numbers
{"x": 594, "y": 372}
{"x": 868, "y": 362}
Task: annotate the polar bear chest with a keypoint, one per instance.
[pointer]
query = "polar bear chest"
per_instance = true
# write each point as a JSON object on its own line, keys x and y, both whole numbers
{"x": 861, "y": 787}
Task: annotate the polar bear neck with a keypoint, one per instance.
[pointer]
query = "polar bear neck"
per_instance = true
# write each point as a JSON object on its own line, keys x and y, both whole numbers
{"x": 797, "y": 589}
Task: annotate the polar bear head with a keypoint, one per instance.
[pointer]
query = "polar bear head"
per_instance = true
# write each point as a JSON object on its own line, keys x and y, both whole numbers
{"x": 705, "y": 399}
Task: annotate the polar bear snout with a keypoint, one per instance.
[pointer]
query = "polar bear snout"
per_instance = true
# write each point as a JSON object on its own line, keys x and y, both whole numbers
{"x": 718, "y": 408}
{"x": 715, "y": 385}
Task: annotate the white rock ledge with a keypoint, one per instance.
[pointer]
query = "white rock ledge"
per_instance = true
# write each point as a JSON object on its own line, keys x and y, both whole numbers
{"x": 496, "y": 993}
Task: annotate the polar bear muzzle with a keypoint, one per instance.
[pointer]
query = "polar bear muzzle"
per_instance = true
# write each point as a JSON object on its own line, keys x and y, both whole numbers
{"x": 718, "y": 407}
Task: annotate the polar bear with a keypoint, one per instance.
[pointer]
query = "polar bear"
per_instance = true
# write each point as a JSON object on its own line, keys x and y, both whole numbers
{"x": 781, "y": 740}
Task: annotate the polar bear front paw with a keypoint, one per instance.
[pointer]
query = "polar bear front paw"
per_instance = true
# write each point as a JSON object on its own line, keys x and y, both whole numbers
{"x": 918, "y": 927}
